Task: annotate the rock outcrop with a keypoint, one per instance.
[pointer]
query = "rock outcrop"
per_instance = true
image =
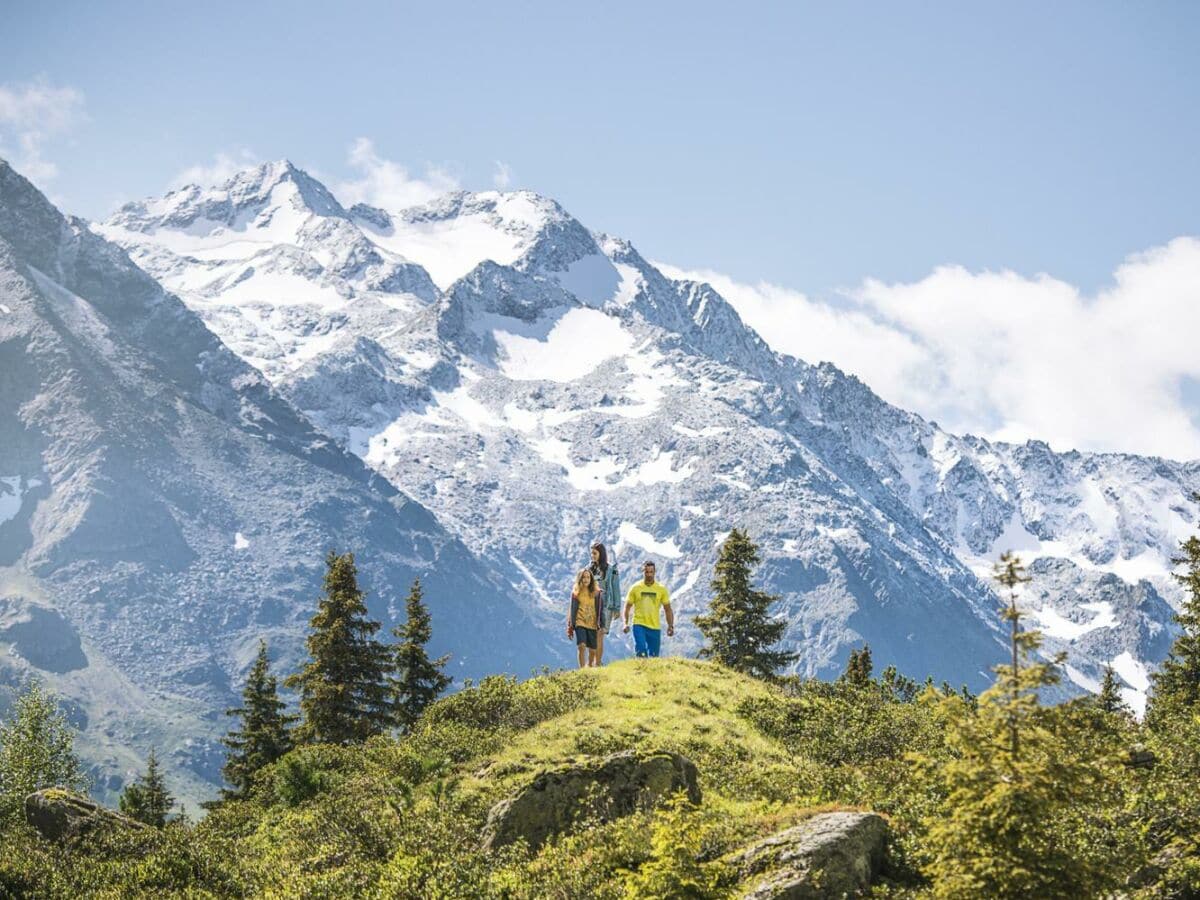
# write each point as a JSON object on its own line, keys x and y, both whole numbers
{"x": 601, "y": 791}
{"x": 831, "y": 855}
{"x": 59, "y": 815}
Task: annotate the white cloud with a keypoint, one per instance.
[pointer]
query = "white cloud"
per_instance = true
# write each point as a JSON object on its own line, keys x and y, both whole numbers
{"x": 502, "y": 176}
{"x": 32, "y": 114}
{"x": 222, "y": 167}
{"x": 1010, "y": 357}
{"x": 387, "y": 184}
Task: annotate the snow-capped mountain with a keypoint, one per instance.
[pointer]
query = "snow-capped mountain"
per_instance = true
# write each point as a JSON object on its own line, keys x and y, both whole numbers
{"x": 162, "y": 507}
{"x": 539, "y": 387}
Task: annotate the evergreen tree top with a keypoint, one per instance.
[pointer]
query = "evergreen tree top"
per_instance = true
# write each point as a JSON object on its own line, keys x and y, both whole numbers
{"x": 344, "y": 691}
{"x": 738, "y": 629}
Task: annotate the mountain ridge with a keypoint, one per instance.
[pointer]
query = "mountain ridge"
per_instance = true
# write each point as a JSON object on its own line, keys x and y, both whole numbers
{"x": 480, "y": 403}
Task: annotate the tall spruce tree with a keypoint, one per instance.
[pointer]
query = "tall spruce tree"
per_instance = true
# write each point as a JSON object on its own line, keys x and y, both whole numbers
{"x": 418, "y": 679}
{"x": 1012, "y": 784}
{"x": 37, "y": 750}
{"x": 147, "y": 799}
{"x": 1177, "y": 681}
{"x": 345, "y": 695}
{"x": 738, "y": 629}
{"x": 262, "y": 735}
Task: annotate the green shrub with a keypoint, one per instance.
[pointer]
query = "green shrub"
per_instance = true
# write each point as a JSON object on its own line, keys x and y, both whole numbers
{"x": 684, "y": 843}
{"x": 500, "y": 701}
{"x": 304, "y": 773}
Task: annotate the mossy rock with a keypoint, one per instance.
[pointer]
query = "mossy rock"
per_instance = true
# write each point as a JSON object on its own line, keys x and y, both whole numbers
{"x": 59, "y": 815}
{"x": 831, "y": 855}
{"x": 599, "y": 791}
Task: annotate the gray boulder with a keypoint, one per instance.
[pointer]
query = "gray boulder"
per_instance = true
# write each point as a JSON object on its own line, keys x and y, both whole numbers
{"x": 604, "y": 790}
{"x": 832, "y": 855}
{"x": 59, "y": 815}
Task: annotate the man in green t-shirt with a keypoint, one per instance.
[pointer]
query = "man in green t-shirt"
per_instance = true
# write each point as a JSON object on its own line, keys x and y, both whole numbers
{"x": 645, "y": 599}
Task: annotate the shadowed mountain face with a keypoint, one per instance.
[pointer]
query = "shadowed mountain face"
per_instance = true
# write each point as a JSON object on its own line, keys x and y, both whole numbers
{"x": 162, "y": 507}
{"x": 543, "y": 386}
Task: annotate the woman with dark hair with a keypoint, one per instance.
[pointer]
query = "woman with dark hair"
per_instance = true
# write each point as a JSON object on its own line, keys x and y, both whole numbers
{"x": 609, "y": 583}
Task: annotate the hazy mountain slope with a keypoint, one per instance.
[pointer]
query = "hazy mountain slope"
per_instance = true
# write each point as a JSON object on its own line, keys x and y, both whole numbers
{"x": 162, "y": 507}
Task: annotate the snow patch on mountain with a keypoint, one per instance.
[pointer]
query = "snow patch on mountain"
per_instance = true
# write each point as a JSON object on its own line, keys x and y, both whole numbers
{"x": 1136, "y": 675}
{"x": 450, "y": 237}
{"x": 577, "y": 342}
{"x": 1054, "y": 624}
{"x": 630, "y": 535}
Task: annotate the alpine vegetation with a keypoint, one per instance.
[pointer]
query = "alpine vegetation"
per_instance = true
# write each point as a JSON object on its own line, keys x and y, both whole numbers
{"x": 1023, "y": 804}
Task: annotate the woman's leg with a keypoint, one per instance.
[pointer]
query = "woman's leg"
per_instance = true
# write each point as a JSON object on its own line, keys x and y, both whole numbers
{"x": 600, "y": 646}
{"x": 583, "y": 651}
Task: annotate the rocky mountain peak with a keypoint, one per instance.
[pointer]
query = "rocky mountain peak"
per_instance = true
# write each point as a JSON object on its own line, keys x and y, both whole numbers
{"x": 28, "y": 221}
{"x": 250, "y": 198}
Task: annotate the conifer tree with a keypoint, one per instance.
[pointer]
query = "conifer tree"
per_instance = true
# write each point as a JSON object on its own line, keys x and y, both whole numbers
{"x": 418, "y": 679}
{"x": 1109, "y": 699}
{"x": 147, "y": 799}
{"x": 262, "y": 736}
{"x": 1177, "y": 681}
{"x": 37, "y": 750}
{"x": 859, "y": 667}
{"x": 738, "y": 629}
{"x": 1016, "y": 777}
{"x": 1010, "y": 573}
{"x": 345, "y": 696}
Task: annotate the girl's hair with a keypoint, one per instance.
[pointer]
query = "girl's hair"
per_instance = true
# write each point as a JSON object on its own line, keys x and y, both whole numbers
{"x": 584, "y": 576}
{"x": 603, "y": 557}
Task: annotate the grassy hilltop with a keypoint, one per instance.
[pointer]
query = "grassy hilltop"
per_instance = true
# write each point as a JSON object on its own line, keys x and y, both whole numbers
{"x": 402, "y": 817}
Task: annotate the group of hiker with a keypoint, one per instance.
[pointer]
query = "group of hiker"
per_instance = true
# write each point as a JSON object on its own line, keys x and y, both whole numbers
{"x": 596, "y": 601}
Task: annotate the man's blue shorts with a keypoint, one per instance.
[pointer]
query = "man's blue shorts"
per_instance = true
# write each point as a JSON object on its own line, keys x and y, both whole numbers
{"x": 646, "y": 641}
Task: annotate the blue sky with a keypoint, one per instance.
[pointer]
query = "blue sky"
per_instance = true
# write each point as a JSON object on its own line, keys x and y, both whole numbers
{"x": 807, "y": 146}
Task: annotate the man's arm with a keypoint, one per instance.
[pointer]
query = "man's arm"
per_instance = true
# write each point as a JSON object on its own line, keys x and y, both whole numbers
{"x": 670, "y": 619}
